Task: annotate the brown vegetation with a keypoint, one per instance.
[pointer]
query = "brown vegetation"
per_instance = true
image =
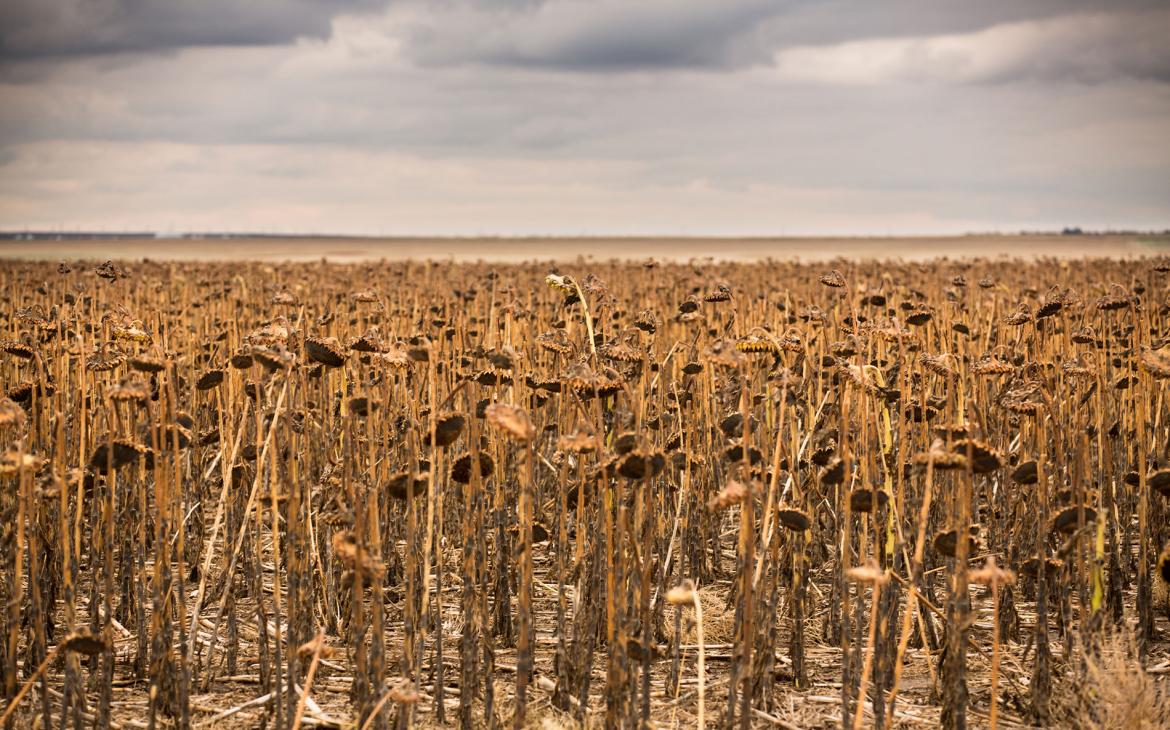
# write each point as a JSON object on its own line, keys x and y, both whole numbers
{"x": 614, "y": 494}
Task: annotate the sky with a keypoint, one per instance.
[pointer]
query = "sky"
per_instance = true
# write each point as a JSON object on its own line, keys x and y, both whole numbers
{"x": 584, "y": 117}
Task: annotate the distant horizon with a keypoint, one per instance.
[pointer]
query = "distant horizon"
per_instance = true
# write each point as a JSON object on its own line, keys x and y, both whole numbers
{"x": 563, "y": 249}
{"x": 86, "y": 234}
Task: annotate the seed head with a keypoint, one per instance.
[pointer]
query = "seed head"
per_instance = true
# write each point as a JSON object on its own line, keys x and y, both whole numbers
{"x": 512, "y": 420}
{"x": 732, "y": 493}
{"x": 82, "y": 641}
{"x": 991, "y": 574}
{"x": 834, "y": 279}
{"x": 870, "y": 573}
{"x": 563, "y": 284}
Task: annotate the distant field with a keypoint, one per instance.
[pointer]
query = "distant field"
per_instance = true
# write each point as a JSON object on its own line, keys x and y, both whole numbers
{"x": 520, "y": 249}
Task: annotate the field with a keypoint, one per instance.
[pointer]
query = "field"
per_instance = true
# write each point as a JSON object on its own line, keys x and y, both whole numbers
{"x": 838, "y": 493}
{"x": 520, "y": 249}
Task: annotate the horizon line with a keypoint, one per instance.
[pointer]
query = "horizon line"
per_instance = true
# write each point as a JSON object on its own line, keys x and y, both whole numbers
{"x": 31, "y": 234}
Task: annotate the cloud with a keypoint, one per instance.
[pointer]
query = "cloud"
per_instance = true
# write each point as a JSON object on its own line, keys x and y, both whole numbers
{"x": 1090, "y": 48}
{"x": 111, "y": 185}
{"x": 680, "y": 156}
{"x": 529, "y": 116}
{"x": 608, "y": 35}
{"x": 31, "y": 29}
{"x": 596, "y": 36}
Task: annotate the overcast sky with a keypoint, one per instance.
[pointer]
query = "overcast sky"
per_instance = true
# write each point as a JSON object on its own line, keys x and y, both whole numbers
{"x": 739, "y": 117}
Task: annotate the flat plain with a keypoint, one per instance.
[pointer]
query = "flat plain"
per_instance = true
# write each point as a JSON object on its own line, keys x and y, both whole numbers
{"x": 517, "y": 250}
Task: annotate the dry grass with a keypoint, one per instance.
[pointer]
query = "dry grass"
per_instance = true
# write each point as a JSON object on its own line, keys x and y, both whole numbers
{"x": 718, "y": 619}
{"x": 1115, "y": 691}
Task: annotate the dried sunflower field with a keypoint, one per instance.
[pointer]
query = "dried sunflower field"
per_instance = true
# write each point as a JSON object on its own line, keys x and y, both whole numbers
{"x": 607, "y": 494}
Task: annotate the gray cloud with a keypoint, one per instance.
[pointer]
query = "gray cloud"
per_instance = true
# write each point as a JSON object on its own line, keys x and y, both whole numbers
{"x": 837, "y": 21}
{"x": 617, "y": 35}
{"x": 51, "y": 28}
{"x": 1087, "y": 48}
{"x": 529, "y": 116}
{"x": 610, "y": 35}
{"x": 597, "y": 36}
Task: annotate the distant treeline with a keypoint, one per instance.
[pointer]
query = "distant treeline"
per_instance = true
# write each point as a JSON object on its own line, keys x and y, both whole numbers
{"x": 81, "y": 235}
{"x": 70, "y": 235}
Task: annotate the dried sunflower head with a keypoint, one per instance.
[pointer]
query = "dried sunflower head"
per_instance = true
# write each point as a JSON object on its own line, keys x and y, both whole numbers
{"x": 117, "y": 454}
{"x": 395, "y": 358}
{"x": 990, "y": 364}
{"x": 132, "y": 331}
{"x": 355, "y": 557}
{"x": 938, "y": 457}
{"x": 641, "y": 464}
{"x": 512, "y": 420}
{"x": 1067, "y": 519}
{"x": 991, "y": 574}
{"x": 273, "y": 358}
{"x": 108, "y": 271}
{"x": 11, "y": 414}
{"x": 834, "y": 279}
{"x": 1116, "y": 298}
{"x": 17, "y": 349}
{"x": 941, "y": 365}
{"x": 793, "y": 518}
{"x": 555, "y": 341}
{"x": 581, "y": 442}
{"x": 719, "y": 294}
{"x": 401, "y": 484}
{"x": 732, "y": 493}
{"x": 1076, "y": 367}
{"x": 980, "y": 457}
{"x": 275, "y": 332}
{"x": 14, "y": 461}
{"x": 82, "y": 641}
{"x": 448, "y": 426}
{"x": 870, "y": 573}
{"x": 370, "y": 341}
{"x": 622, "y": 351}
{"x": 758, "y": 343}
{"x": 1021, "y": 316}
{"x": 919, "y": 316}
{"x": 563, "y": 284}
{"x": 647, "y": 321}
{"x": 285, "y": 297}
{"x": 132, "y": 388}
{"x": 325, "y": 350}
{"x": 461, "y": 468}
{"x": 209, "y": 379}
{"x": 148, "y": 363}
{"x": 1156, "y": 362}
{"x": 859, "y": 376}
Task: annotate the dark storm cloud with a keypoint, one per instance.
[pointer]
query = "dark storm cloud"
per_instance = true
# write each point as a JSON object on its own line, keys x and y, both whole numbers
{"x": 32, "y": 29}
